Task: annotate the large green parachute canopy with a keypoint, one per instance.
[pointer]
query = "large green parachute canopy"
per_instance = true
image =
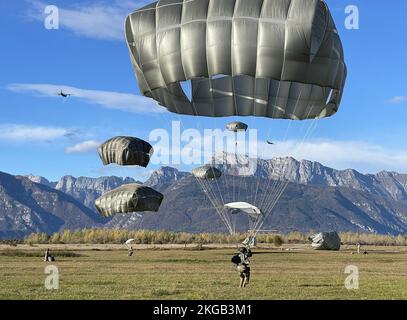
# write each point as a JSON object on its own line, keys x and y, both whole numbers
{"x": 207, "y": 173}
{"x": 247, "y": 208}
{"x": 270, "y": 58}
{"x": 126, "y": 151}
{"x": 129, "y": 198}
{"x": 237, "y": 126}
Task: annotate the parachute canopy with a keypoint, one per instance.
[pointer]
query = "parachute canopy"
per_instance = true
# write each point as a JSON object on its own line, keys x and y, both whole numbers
{"x": 126, "y": 151}
{"x": 237, "y": 126}
{"x": 207, "y": 173}
{"x": 268, "y": 58}
{"x": 250, "y": 241}
{"x": 245, "y": 207}
{"x": 326, "y": 241}
{"x": 130, "y": 241}
{"x": 129, "y": 198}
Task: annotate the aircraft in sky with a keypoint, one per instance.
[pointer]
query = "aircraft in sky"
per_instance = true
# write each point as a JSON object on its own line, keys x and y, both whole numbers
{"x": 63, "y": 94}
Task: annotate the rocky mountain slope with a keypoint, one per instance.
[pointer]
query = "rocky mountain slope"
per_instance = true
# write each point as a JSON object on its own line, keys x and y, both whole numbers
{"x": 87, "y": 190}
{"x": 316, "y": 197}
{"x": 389, "y": 184}
{"x": 26, "y": 207}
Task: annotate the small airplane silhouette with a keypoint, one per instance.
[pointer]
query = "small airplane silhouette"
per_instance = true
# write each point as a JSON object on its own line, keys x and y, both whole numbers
{"x": 62, "y": 94}
{"x": 269, "y": 142}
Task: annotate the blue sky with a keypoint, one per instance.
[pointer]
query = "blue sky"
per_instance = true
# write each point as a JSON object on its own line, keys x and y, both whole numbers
{"x": 46, "y": 135}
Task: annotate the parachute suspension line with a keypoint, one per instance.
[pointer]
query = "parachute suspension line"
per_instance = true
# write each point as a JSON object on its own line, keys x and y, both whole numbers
{"x": 275, "y": 183}
{"x": 283, "y": 184}
{"x": 257, "y": 188}
{"x": 312, "y": 128}
{"x": 141, "y": 220}
{"x": 268, "y": 134}
{"x": 207, "y": 186}
{"x": 270, "y": 194}
{"x": 270, "y": 209}
{"x": 236, "y": 169}
{"x": 225, "y": 180}
{"x": 202, "y": 129}
{"x": 233, "y": 219}
{"x": 228, "y": 173}
{"x": 211, "y": 197}
{"x": 276, "y": 194}
{"x": 219, "y": 209}
{"x": 242, "y": 178}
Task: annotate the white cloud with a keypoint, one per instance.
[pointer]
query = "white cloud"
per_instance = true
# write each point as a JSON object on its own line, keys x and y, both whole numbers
{"x": 362, "y": 156}
{"x": 359, "y": 155}
{"x": 92, "y": 20}
{"x": 16, "y": 132}
{"x": 398, "y": 99}
{"x": 83, "y": 147}
{"x": 107, "y": 99}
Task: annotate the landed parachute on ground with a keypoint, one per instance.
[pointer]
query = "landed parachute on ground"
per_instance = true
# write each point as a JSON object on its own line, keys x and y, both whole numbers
{"x": 233, "y": 209}
{"x": 207, "y": 173}
{"x": 126, "y": 151}
{"x": 269, "y": 58}
{"x": 129, "y": 198}
{"x": 237, "y": 126}
{"x": 326, "y": 241}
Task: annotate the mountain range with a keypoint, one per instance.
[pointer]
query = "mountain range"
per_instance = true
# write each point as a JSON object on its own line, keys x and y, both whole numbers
{"x": 314, "y": 197}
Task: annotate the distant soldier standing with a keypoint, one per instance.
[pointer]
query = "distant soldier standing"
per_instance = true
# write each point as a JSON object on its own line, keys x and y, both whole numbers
{"x": 46, "y": 257}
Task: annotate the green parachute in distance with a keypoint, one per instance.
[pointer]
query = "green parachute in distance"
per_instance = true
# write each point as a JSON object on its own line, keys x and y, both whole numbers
{"x": 127, "y": 199}
{"x": 237, "y": 126}
{"x": 126, "y": 151}
{"x": 207, "y": 173}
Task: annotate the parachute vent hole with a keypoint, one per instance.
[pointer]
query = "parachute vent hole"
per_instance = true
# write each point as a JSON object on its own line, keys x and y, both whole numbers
{"x": 187, "y": 88}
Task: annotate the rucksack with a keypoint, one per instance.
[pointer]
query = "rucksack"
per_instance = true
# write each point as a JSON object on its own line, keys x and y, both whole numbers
{"x": 236, "y": 259}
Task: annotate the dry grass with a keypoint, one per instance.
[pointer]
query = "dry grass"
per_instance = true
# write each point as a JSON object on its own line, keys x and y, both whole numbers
{"x": 118, "y": 236}
{"x": 208, "y": 274}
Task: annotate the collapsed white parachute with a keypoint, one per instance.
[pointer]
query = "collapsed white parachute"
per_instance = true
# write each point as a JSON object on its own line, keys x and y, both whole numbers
{"x": 248, "y": 208}
{"x": 234, "y": 208}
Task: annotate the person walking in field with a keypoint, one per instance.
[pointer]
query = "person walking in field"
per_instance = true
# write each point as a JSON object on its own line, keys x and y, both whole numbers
{"x": 48, "y": 256}
{"x": 242, "y": 262}
{"x": 129, "y": 246}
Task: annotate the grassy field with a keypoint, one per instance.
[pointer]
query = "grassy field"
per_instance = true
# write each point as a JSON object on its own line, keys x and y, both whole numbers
{"x": 277, "y": 273}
